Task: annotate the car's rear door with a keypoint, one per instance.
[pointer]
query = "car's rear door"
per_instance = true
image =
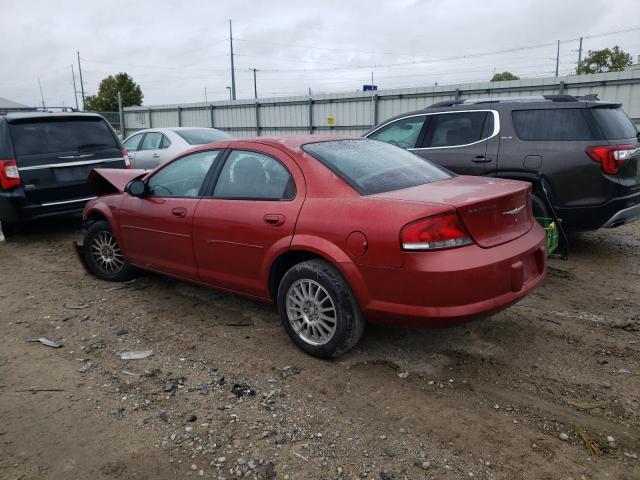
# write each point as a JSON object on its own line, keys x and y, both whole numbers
{"x": 251, "y": 213}
{"x": 156, "y": 229}
{"x": 56, "y": 153}
{"x": 131, "y": 145}
{"x": 152, "y": 151}
{"x": 466, "y": 142}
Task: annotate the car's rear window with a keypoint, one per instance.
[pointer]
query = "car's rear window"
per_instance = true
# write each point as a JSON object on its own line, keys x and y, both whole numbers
{"x": 37, "y": 136}
{"x": 552, "y": 124}
{"x": 614, "y": 123}
{"x": 371, "y": 166}
{"x": 201, "y": 136}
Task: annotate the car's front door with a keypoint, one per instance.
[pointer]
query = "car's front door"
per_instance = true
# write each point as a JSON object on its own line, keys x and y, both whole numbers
{"x": 403, "y": 132}
{"x": 156, "y": 229}
{"x": 251, "y": 213}
{"x": 151, "y": 151}
{"x": 465, "y": 142}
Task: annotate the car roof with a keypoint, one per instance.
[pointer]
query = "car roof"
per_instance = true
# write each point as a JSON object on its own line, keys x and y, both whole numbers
{"x": 293, "y": 142}
{"x": 9, "y": 116}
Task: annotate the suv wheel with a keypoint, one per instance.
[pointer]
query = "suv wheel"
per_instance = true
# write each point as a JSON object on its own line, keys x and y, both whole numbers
{"x": 103, "y": 254}
{"x": 539, "y": 206}
{"x": 318, "y": 309}
{"x": 8, "y": 229}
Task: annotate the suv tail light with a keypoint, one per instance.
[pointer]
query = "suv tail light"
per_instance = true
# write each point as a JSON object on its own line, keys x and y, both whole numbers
{"x": 9, "y": 175}
{"x": 127, "y": 162}
{"x": 435, "y": 233}
{"x": 611, "y": 157}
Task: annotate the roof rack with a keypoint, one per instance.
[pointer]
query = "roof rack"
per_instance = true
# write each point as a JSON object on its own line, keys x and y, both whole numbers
{"x": 592, "y": 97}
{"x": 4, "y": 111}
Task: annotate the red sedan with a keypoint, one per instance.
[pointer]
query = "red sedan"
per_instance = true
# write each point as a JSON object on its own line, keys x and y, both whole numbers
{"x": 336, "y": 231}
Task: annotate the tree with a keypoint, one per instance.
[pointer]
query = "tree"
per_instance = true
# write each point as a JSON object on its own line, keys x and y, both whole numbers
{"x": 605, "y": 60}
{"x": 500, "y": 77}
{"x": 107, "y": 98}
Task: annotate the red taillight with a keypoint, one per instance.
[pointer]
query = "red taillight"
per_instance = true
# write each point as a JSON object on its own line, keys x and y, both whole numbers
{"x": 127, "y": 162}
{"x": 435, "y": 233}
{"x": 609, "y": 157}
{"x": 9, "y": 175}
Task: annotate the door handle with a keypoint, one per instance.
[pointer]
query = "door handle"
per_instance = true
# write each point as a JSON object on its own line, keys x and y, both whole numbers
{"x": 481, "y": 159}
{"x": 179, "y": 212}
{"x": 156, "y": 155}
{"x": 274, "y": 219}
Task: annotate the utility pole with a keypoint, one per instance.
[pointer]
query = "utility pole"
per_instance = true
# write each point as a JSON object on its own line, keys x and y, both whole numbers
{"x": 205, "y": 95}
{"x": 81, "y": 82}
{"x": 580, "y": 54}
{"x": 255, "y": 84}
{"x": 75, "y": 92}
{"x": 233, "y": 73}
{"x": 41, "y": 94}
{"x": 558, "y": 58}
{"x": 229, "y": 88}
{"x": 121, "y": 115}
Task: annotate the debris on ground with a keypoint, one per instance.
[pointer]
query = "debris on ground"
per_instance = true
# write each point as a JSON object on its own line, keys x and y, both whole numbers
{"x": 137, "y": 355}
{"x": 289, "y": 371}
{"x": 242, "y": 389}
{"x": 76, "y": 307}
{"x": 45, "y": 341}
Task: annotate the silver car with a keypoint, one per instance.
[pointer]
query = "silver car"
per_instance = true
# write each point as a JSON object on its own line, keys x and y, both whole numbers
{"x": 150, "y": 147}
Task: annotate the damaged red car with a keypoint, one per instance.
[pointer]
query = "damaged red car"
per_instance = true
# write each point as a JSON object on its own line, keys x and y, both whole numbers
{"x": 337, "y": 232}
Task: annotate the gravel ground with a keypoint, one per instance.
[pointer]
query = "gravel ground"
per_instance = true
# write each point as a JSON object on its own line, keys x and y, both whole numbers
{"x": 548, "y": 389}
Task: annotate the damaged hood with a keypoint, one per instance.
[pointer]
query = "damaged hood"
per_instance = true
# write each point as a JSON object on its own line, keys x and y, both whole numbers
{"x": 104, "y": 181}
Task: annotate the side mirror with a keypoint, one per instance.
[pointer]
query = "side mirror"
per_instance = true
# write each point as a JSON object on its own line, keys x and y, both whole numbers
{"x": 137, "y": 188}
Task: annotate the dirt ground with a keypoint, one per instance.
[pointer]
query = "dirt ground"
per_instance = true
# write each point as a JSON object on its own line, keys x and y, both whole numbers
{"x": 548, "y": 389}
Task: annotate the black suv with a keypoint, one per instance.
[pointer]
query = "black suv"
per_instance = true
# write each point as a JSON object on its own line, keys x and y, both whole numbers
{"x": 45, "y": 159}
{"x": 580, "y": 154}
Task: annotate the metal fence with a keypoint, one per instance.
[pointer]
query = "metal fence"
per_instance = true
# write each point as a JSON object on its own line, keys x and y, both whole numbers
{"x": 355, "y": 112}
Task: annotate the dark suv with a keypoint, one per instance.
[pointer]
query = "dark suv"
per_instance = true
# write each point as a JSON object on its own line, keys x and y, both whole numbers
{"x": 580, "y": 154}
{"x": 45, "y": 159}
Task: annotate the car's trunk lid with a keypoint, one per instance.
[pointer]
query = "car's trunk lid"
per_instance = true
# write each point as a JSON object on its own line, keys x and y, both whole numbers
{"x": 494, "y": 211}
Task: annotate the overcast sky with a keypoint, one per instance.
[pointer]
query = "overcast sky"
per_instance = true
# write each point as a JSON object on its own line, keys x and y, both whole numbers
{"x": 176, "y": 49}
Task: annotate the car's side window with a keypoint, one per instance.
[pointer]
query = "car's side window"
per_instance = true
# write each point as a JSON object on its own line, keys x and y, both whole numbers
{"x": 152, "y": 141}
{"x": 403, "y": 133}
{"x": 456, "y": 128}
{"x": 133, "y": 143}
{"x": 254, "y": 176}
{"x": 166, "y": 143}
{"x": 183, "y": 177}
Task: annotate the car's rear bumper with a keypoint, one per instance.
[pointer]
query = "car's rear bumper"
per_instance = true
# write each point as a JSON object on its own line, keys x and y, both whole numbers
{"x": 18, "y": 209}
{"x": 448, "y": 287}
{"x": 614, "y": 213}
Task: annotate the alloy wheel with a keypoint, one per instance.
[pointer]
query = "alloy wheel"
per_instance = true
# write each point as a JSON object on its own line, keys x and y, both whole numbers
{"x": 311, "y": 312}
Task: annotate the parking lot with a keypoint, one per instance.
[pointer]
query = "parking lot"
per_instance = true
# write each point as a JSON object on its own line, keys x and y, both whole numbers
{"x": 531, "y": 393}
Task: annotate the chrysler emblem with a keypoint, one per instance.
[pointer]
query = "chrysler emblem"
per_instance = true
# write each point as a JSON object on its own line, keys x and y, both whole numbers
{"x": 515, "y": 211}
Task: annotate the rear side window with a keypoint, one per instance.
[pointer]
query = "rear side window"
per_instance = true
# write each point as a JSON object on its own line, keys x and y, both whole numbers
{"x": 373, "y": 167}
{"x": 552, "y": 124}
{"x": 61, "y": 135}
{"x": 201, "y": 136}
{"x": 152, "y": 141}
{"x": 403, "y": 133}
{"x": 133, "y": 143}
{"x": 614, "y": 123}
{"x": 459, "y": 128}
{"x": 254, "y": 176}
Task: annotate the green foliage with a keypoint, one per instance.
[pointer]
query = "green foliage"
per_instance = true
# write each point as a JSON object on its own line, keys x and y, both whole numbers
{"x": 500, "y": 77}
{"x": 107, "y": 98}
{"x": 605, "y": 60}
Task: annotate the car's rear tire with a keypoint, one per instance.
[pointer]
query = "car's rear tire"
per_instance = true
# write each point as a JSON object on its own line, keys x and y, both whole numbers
{"x": 318, "y": 309}
{"x": 8, "y": 229}
{"x": 103, "y": 255}
{"x": 539, "y": 206}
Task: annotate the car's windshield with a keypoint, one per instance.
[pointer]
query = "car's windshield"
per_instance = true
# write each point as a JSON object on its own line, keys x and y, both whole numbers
{"x": 201, "y": 136}
{"x": 371, "y": 166}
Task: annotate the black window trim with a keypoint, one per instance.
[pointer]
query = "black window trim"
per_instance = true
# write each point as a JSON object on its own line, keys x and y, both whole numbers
{"x": 207, "y": 178}
{"x": 215, "y": 176}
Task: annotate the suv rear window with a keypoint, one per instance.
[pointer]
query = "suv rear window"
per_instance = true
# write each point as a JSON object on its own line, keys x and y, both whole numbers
{"x": 80, "y": 134}
{"x": 200, "y": 136}
{"x": 371, "y": 166}
{"x": 614, "y": 123}
{"x": 552, "y": 124}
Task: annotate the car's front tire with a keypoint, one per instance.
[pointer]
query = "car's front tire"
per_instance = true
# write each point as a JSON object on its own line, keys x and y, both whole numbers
{"x": 103, "y": 255}
{"x": 319, "y": 310}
